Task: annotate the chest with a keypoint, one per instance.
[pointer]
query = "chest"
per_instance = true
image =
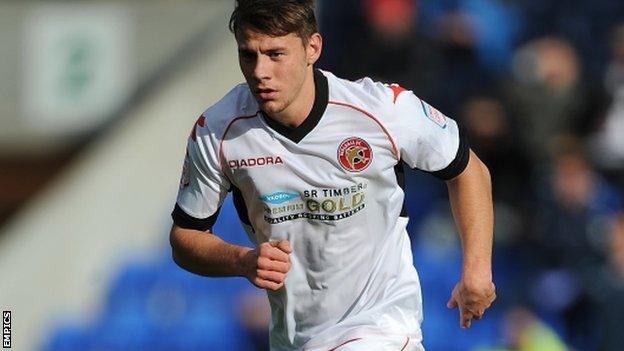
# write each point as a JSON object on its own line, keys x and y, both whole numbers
{"x": 333, "y": 173}
{"x": 341, "y": 151}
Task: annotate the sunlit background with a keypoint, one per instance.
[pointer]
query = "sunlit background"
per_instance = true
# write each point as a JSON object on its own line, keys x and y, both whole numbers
{"x": 97, "y": 99}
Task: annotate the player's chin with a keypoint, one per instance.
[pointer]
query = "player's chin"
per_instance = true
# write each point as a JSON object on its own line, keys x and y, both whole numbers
{"x": 271, "y": 106}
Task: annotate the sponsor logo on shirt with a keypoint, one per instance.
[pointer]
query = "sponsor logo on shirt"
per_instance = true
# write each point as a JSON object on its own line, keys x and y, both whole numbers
{"x": 314, "y": 204}
{"x": 354, "y": 154}
{"x": 279, "y": 197}
{"x": 255, "y": 162}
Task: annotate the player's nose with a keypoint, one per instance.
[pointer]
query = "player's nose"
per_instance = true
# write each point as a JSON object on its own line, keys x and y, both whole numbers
{"x": 261, "y": 69}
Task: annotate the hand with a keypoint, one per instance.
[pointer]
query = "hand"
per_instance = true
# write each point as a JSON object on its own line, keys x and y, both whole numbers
{"x": 472, "y": 300}
{"x": 266, "y": 265}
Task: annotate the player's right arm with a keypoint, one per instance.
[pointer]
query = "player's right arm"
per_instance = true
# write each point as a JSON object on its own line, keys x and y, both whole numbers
{"x": 206, "y": 254}
{"x": 195, "y": 247}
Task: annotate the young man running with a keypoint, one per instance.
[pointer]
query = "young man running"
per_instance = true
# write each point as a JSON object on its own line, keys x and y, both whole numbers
{"x": 314, "y": 163}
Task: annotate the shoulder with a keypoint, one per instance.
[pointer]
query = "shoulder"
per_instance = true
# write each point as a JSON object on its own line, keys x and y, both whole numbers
{"x": 364, "y": 92}
{"x": 237, "y": 103}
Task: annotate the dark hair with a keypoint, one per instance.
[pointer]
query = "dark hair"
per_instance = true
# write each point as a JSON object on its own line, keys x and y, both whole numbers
{"x": 275, "y": 17}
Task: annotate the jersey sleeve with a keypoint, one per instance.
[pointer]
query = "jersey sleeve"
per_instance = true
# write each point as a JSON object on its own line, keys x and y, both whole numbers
{"x": 427, "y": 139}
{"x": 203, "y": 187}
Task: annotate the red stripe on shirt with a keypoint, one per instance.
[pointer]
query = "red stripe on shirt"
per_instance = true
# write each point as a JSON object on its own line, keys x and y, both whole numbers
{"x": 356, "y": 339}
{"x": 406, "y": 342}
{"x": 221, "y": 154}
{"x": 370, "y": 115}
{"x": 344, "y": 343}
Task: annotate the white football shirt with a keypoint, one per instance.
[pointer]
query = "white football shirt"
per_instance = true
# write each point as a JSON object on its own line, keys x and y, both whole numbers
{"x": 332, "y": 188}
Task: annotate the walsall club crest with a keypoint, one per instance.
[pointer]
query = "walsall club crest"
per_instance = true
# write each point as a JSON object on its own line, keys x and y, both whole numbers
{"x": 354, "y": 154}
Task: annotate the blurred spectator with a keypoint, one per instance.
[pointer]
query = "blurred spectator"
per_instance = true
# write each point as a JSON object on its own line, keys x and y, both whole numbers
{"x": 608, "y": 143}
{"x": 524, "y": 331}
{"x": 585, "y": 23}
{"x": 614, "y": 77}
{"x": 606, "y": 286}
{"x": 490, "y": 130}
{"x": 572, "y": 198}
{"x": 545, "y": 94}
{"x": 488, "y": 26}
{"x": 387, "y": 48}
{"x": 340, "y": 22}
{"x": 573, "y": 201}
{"x": 461, "y": 31}
{"x": 454, "y": 35}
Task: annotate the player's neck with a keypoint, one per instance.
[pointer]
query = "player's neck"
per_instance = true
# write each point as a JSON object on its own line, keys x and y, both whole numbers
{"x": 300, "y": 107}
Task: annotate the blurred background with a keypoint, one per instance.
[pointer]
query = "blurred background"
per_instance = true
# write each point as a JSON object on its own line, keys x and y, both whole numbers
{"x": 97, "y": 99}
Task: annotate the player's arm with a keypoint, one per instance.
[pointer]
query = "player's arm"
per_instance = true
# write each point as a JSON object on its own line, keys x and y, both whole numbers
{"x": 470, "y": 196}
{"x": 432, "y": 142}
{"x": 204, "y": 253}
{"x": 195, "y": 247}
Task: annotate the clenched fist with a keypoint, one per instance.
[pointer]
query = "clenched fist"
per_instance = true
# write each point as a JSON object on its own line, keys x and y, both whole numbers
{"x": 472, "y": 300}
{"x": 267, "y": 265}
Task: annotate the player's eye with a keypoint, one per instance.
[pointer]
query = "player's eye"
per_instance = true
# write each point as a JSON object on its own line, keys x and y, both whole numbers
{"x": 276, "y": 54}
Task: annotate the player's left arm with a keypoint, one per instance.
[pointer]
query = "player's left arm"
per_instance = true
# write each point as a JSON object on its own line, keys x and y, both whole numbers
{"x": 432, "y": 142}
{"x": 470, "y": 195}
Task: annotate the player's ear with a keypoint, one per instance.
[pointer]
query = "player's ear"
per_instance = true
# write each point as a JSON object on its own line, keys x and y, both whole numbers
{"x": 314, "y": 47}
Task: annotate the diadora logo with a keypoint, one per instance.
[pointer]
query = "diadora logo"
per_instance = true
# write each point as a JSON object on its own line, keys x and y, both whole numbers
{"x": 354, "y": 154}
{"x": 255, "y": 162}
{"x": 279, "y": 197}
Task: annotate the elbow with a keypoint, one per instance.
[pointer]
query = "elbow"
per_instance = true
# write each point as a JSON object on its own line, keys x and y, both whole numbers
{"x": 476, "y": 165}
{"x": 178, "y": 258}
{"x": 485, "y": 171}
{"x": 182, "y": 247}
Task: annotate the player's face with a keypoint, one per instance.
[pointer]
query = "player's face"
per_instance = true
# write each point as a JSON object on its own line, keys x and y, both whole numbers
{"x": 276, "y": 68}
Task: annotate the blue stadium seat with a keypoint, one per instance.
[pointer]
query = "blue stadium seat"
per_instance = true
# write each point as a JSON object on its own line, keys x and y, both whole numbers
{"x": 69, "y": 338}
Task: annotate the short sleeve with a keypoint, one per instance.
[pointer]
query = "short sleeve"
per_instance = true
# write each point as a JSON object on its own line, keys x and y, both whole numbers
{"x": 203, "y": 187}
{"x": 428, "y": 140}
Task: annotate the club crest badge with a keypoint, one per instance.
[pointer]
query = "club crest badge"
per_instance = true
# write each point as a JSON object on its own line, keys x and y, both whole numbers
{"x": 354, "y": 154}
